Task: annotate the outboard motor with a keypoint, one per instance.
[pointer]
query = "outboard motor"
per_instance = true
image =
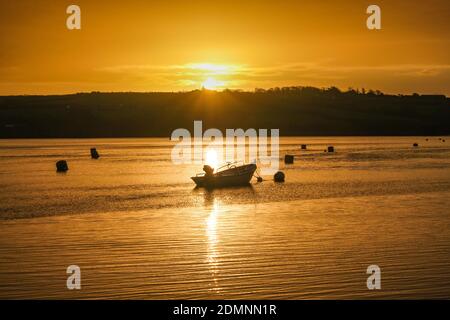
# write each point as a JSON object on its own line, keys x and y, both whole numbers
{"x": 208, "y": 170}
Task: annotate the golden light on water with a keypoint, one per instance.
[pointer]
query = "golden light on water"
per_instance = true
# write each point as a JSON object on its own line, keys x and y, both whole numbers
{"x": 266, "y": 241}
{"x": 212, "y": 158}
{"x": 212, "y": 252}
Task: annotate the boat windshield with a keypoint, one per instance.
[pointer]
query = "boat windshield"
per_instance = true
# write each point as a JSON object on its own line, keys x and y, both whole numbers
{"x": 230, "y": 165}
{"x": 226, "y": 166}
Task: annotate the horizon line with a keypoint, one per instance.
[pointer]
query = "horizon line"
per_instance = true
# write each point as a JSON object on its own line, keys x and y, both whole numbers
{"x": 235, "y": 90}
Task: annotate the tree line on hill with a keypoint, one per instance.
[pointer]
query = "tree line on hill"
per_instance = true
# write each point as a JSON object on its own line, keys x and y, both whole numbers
{"x": 293, "y": 110}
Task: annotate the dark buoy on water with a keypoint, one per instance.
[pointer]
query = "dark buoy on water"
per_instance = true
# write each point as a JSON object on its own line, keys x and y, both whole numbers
{"x": 330, "y": 149}
{"x": 279, "y": 176}
{"x": 303, "y": 146}
{"x": 94, "y": 153}
{"x": 61, "y": 166}
{"x": 415, "y": 145}
{"x": 289, "y": 159}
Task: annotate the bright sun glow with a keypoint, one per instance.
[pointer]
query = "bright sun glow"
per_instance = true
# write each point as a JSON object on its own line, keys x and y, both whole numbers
{"x": 211, "y": 158}
{"x": 211, "y": 76}
{"x": 211, "y": 67}
{"x": 212, "y": 84}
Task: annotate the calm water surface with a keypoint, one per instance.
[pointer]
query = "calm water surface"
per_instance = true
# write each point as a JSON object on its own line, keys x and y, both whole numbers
{"x": 137, "y": 227}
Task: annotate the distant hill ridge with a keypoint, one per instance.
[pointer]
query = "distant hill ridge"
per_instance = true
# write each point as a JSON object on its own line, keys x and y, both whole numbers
{"x": 293, "y": 110}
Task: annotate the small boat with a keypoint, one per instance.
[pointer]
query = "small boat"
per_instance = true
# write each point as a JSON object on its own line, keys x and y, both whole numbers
{"x": 231, "y": 174}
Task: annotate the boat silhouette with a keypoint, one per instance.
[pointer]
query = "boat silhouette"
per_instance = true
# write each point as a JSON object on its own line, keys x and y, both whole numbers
{"x": 230, "y": 174}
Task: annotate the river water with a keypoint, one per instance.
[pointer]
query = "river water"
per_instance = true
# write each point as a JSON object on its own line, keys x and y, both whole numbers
{"x": 136, "y": 226}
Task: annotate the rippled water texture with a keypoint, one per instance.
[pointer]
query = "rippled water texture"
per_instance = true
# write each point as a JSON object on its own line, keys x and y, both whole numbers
{"x": 137, "y": 227}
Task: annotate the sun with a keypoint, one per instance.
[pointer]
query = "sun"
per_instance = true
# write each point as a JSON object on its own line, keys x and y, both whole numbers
{"x": 211, "y": 84}
{"x": 211, "y": 76}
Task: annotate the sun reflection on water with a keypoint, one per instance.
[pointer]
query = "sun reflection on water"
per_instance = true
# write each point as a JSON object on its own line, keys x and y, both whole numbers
{"x": 212, "y": 251}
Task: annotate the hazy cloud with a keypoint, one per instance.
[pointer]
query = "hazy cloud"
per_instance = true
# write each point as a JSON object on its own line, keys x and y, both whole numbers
{"x": 248, "y": 77}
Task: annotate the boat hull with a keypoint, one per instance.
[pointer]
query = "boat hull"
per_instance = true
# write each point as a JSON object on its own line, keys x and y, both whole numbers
{"x": 239, "y": 176}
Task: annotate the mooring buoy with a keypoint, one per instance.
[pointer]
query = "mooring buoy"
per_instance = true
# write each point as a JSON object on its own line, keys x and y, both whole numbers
{"x": 94, "y": 153}
{"x": 289, "y": 159}
{"x": 61, "y": 166}
{"x": 279, "y": 176}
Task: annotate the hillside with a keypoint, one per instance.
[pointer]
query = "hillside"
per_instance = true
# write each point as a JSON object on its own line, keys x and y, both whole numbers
{"x": 295, "y": 111}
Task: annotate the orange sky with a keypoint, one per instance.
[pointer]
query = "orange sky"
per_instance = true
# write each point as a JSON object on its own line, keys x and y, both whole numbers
{"x": 144, "y": 45}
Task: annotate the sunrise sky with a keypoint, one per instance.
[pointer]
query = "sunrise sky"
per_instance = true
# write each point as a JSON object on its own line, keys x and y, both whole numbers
{"x": 183, "y": 45}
